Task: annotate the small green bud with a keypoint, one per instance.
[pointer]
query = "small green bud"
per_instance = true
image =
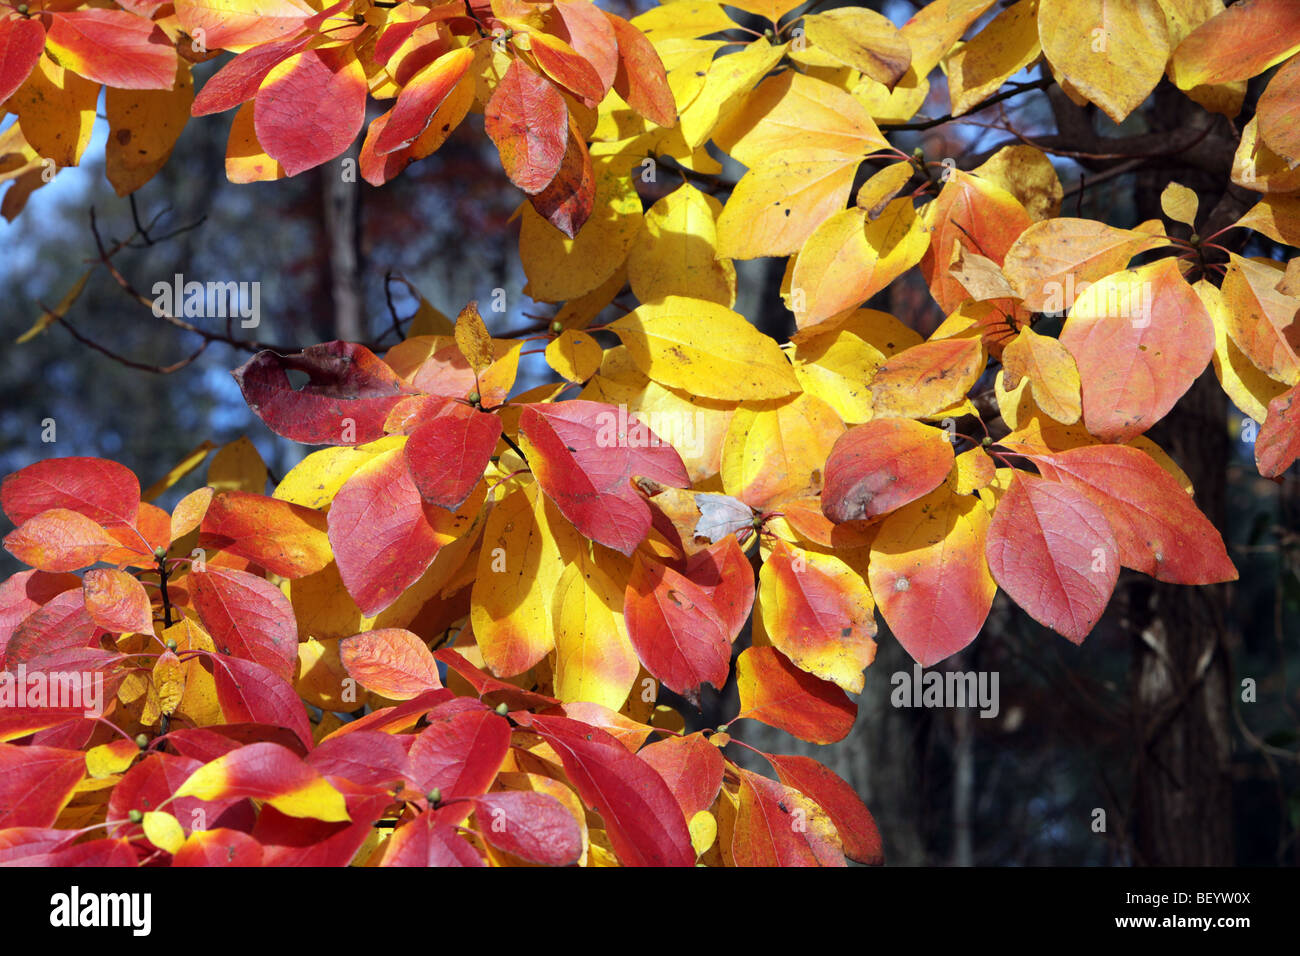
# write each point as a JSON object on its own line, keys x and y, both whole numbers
{"x": 22, "y": 8}
{"x": 986, "y": 441}
{"x": 142, "y": 741}
{"x": 135, "y": 816}
{"x": 918, "y": 153}
{"x": 722, "y": 729}
{"x": 171, "y": 644}
{"x": 434, "y": 796}
{"x": 160, "y": 554}
{"x": 475, "y": 398}
{"x": 557, "y": 327}
{"x": 1196, "y": 239}
{"x": 502, "y": 709}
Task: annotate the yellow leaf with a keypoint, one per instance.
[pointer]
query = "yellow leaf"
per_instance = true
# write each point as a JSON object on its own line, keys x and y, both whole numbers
{"x": 863, "y": 39}
{"x": 795, "y": 111}
{"x": 1026, "y": 173}
{"x": 143, "y": 126}
{"x": 818, "y": 611}
{"x": 472, "y": 339}
{"x": 574, "y": 355}
{"x": 594, "y": 658}
{"x": 684, "y": 19}
{"x": 937, "y": 26}
{"x": 836, "y": 364}
{"x": 237, "y": 466}
{"x": 1050, "y": 367}
{"x": 1180, "y": 204}
{"x": 192, "y": 460}
{"x": 163, "y": 830}
{"x": 1112, "y": 51}
{"x": 773, "y": 10}
{"x": 847, "y": 260}
{"x": 198, "y": 703}
{"x": 1249, "y": 389}
{"x": 1260, "y": 319}
{"x": 526, "y": 545}
{"x": 775, "y": 450}
{"x": 105, "y": 760}
{"x": 875, "y": 194}
{"x": 1276, "y": 216}
{"x": 927, "y": 378}
{"x": 706, "y": 349}
{"x": 322, "y": 676}
{"x": 559, "y": 268}
{"x": 976, "y": 70}
{"x": 703, "y": 828}
{"x": 776, "y": 205}
{"x": 974, "y": 470}
{"x": 729, "y": 77}
{"x": 50, "y": 316}
{"x": 1256, "y": 167}
{"x": 676, "y": 251}
{"x": 246, "y": 160}
{"x": 169, "y": 679}
{"x": 56, "y": 112}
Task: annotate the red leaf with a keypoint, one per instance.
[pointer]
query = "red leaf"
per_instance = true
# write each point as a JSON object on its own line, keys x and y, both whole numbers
{"x": 286, "y": 539}
{"x": 775, "y": 692}
{"x": 247, "y": 617}
{"x": 367, "y": 758}
{"x": 882, "y": 465}
{"x": 345, "y": 402}
{"x": 423, "y": 843}
{"x": 1278, "y": 441}
{"x": 460, "y": 751}
{"x": 491, "y": 690}
{"x": 219, "y": 847}
{"x": 221, "y": 28}
{"x": 586, "y": 468}
{"x": 380, "y": 532}
{"x": 691, "y": 766}
{"x": 567, "y": 201}
{"x": 23, "y": 593}
{"x": 642, "y": 80}
{"x": 21, "y": 42}
{"x": 528, "y": 121}
{"x": 238, "y": 81}
{"x": 36, "y": 783}
{"x": 117, "y": 602}
{"x": 565, "y": 66}
{"x": 247, "y": 691}
{"x": 772, "y": 828}
{"x": 113, "y": 47}
{"x": 420, "y": 99}
{"x": 392, "y": 662}
{"x": 675, "y": 629}
{"x": 591, "y": 33}
{"x": 641, "y": 815}
{"x": 61, "y": 622}
{"x": 1053, "y": 552}
{"x": 102, "y": 490}
{"x": 724, "y": 573}
{"x": 856, "y": 826}
{"x": 448, "y": 451}
{"x": 531, "y": 825}
{"x": 1156, "y": 523}
{"x": 311, "y": 107}
{"x": 59, "y": 540}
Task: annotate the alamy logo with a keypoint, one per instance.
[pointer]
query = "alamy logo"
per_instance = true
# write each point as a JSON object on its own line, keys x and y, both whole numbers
{"x": 209, "y": 300}
{"x": 75, "y": 908}
{"x": 650, "y": 429}
{"x": 946, "y": 689}
{"x": 55, "y": 689}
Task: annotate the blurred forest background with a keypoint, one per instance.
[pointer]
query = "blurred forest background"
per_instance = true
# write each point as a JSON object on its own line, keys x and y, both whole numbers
{"x": 1132, "y": 723}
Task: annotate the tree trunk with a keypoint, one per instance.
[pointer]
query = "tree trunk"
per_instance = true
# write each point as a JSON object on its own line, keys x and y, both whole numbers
{"x": 341, "y": 221}
{"x": 1179, "y": 673}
